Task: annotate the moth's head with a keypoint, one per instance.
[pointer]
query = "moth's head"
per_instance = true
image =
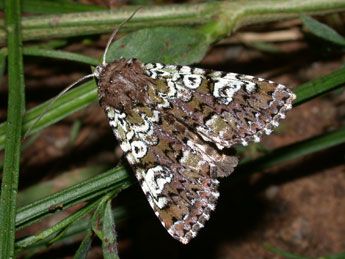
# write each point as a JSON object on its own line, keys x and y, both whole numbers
{"x": 98, "y": 71}
{"x": 122, "y": 84}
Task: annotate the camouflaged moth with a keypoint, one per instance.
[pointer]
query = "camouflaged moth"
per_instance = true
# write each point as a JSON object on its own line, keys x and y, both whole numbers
{"x": 173, "y": 123}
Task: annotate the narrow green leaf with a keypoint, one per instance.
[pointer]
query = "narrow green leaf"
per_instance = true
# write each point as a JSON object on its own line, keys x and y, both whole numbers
{"x": 115, "y": 179}
{"x": 335, "y": 256}
{"x": 15, "y": 111}
{"x": 61, "y": 232}
{"x": 109, "y": 244}
{"x": 83, "y": 226}
{"x": 266, "y": 47}
{"x": 77, "y": 125}
{"x": 84, "y": 246}
{"x": 319, "y": 86}
{"x": 69, "y": 103}
{"x": 144, "y": 2}
{"x": 72, "y": 101}
{"x": 96, "y": 218}
{"x": 70, "y": 178}
{"x": 322, "y": 30}
{"x": 46, "y": 234}
{"x": 168, "y": 45}
{"x": 59, "y": 54}
{"x": 99, "y": 214}
{"x": 285, "y": 254}
{"x": 3, "y": 57}
{"x": 52, "y": 44}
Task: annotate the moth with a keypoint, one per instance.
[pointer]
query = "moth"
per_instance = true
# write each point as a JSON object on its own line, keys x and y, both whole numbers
{"x": 174, "y": 123}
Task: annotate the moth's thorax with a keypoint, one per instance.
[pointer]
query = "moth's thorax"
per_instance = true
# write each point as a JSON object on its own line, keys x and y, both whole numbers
{"x": 123, "y": 84}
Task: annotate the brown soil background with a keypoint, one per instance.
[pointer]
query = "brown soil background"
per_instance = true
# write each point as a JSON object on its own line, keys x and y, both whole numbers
{"x": 298, "y": 206}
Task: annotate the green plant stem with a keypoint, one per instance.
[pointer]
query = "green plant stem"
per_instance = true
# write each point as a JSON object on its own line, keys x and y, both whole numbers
{"x": 44, "y": 6}
{"x": 58, "y": 227}
{"x": 16, "y": 104}
{"x": 219, "y": 18}
{"x": 115, "y": 179}
{"x": 234, "y": 15}
{"x": 82, "y": 226}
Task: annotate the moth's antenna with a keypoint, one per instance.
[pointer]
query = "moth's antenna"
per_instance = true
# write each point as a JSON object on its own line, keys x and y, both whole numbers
{"x": 114, "y": 34}
{"x": 84, "y": 77}
{"x": 54, "y": 100}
